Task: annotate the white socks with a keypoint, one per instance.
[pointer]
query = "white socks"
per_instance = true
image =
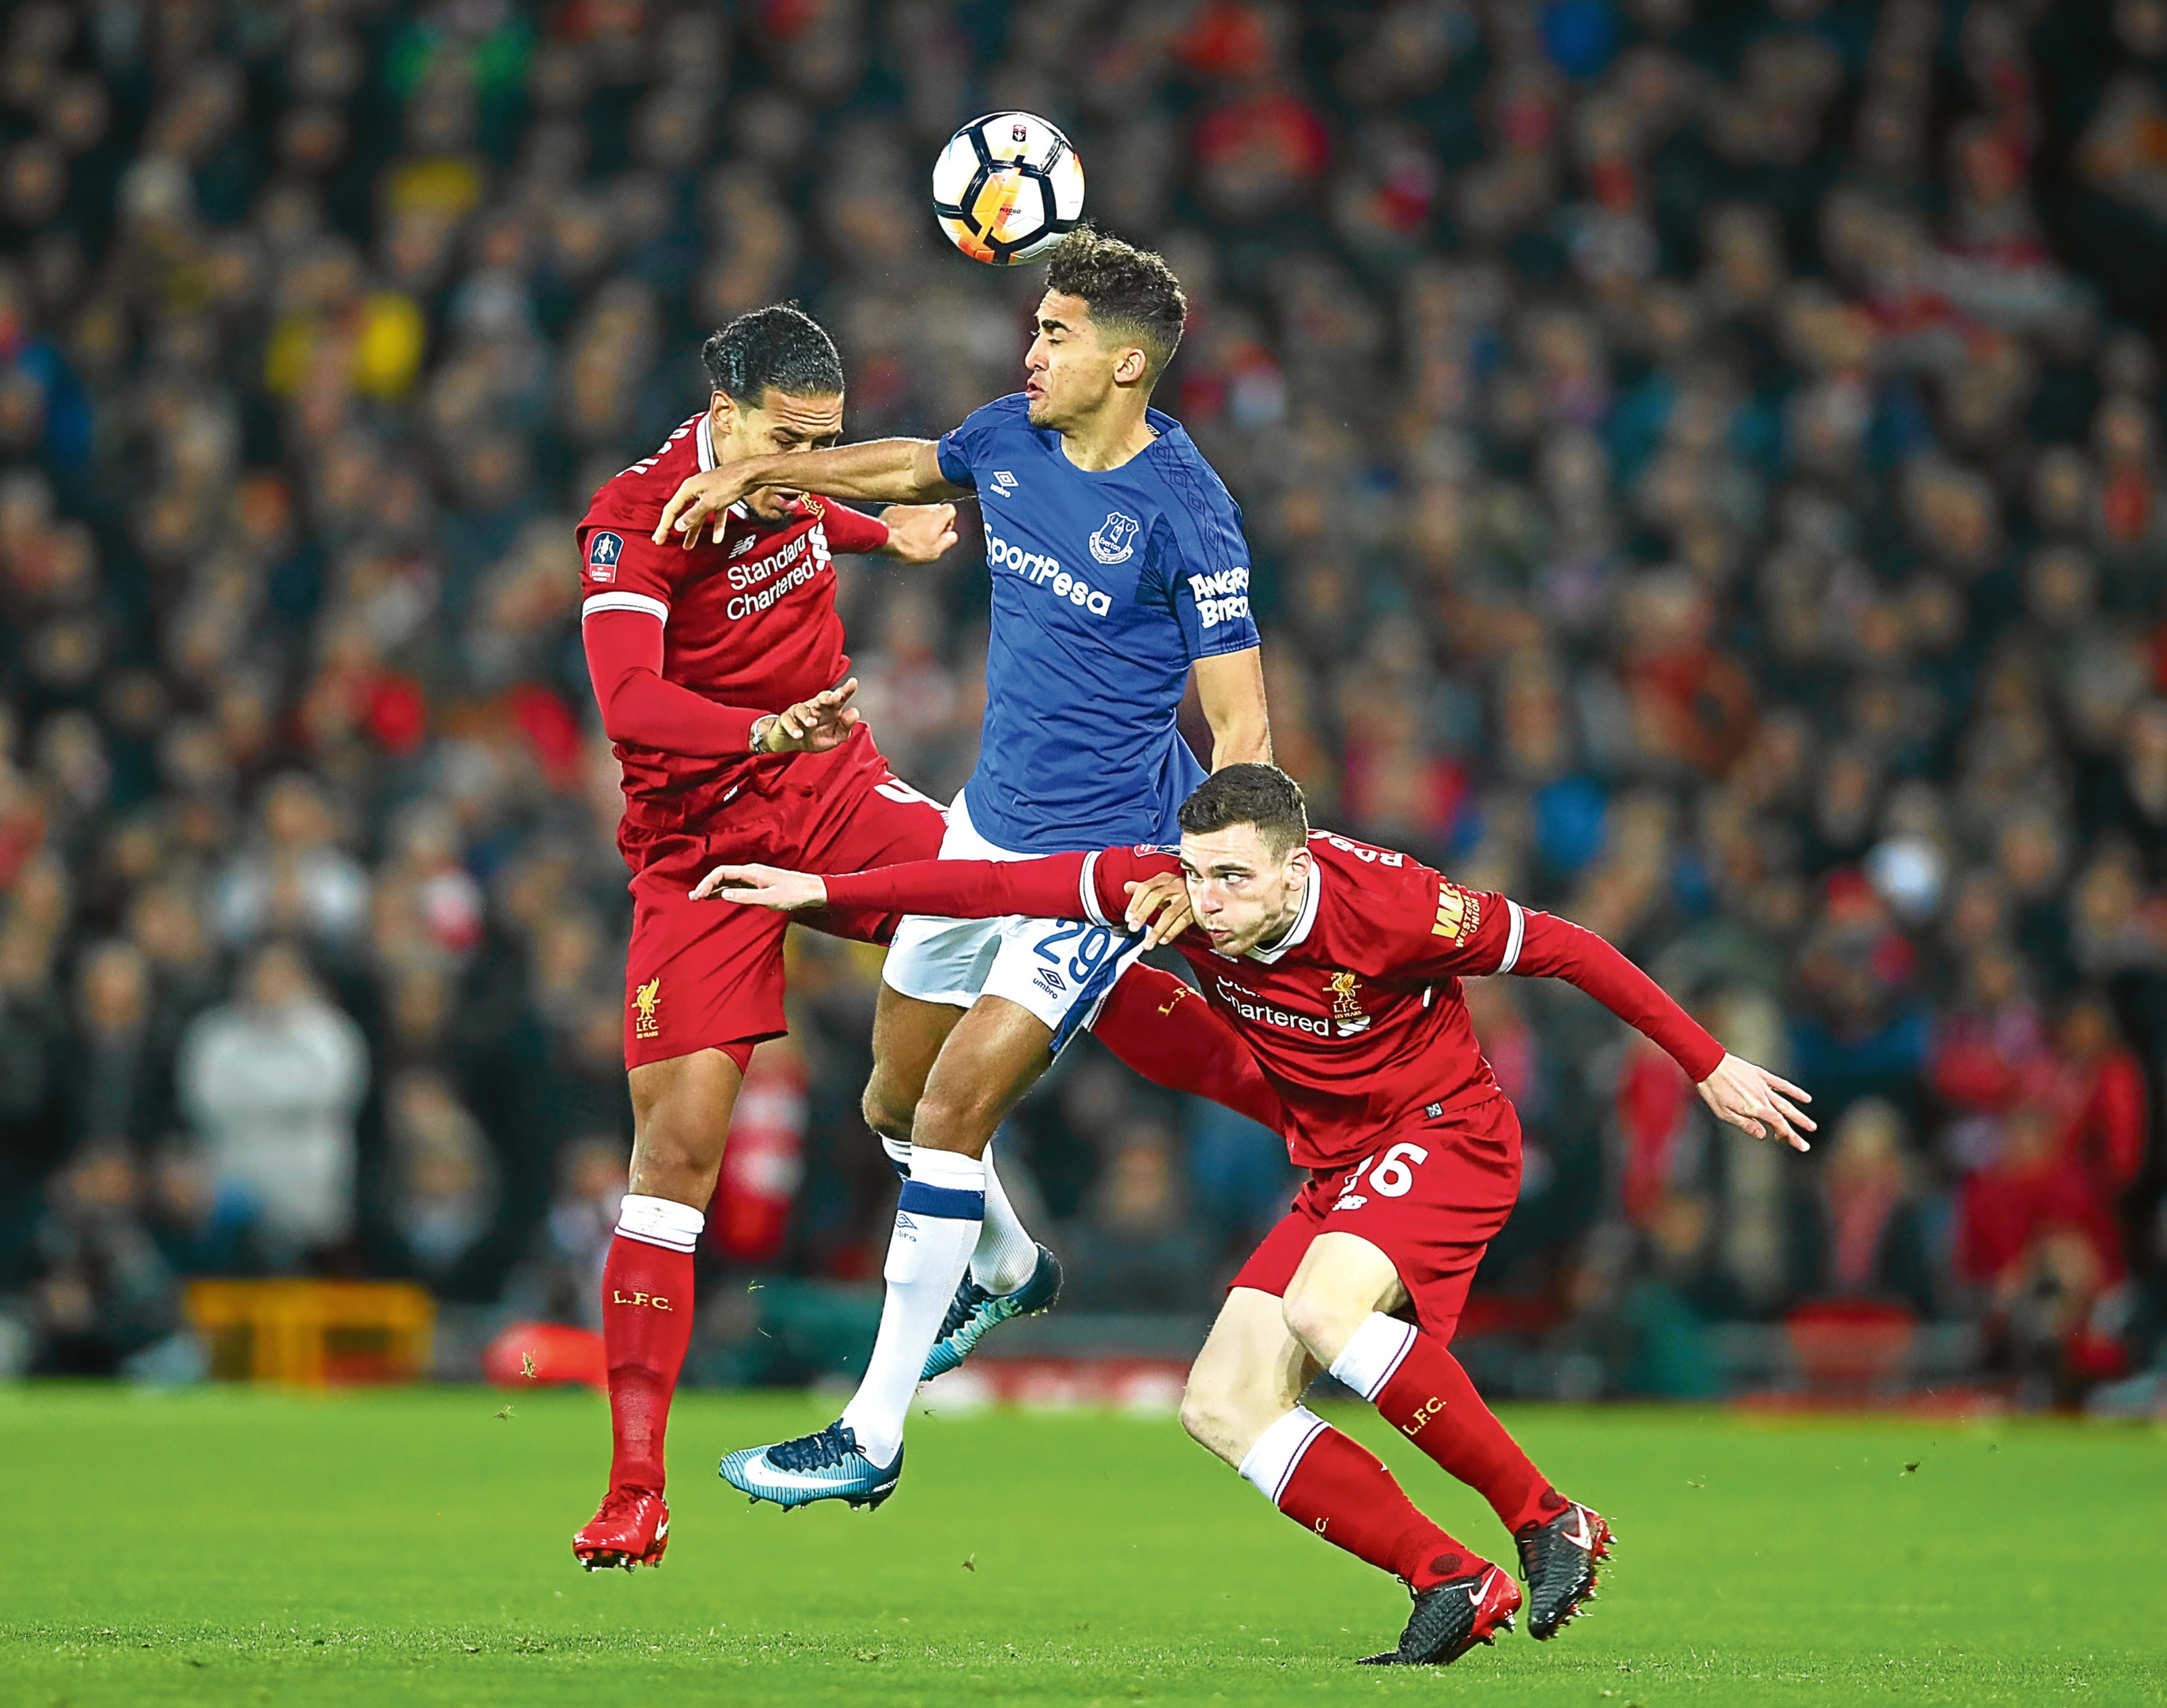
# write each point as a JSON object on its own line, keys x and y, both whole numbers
{"x": 661, "y": 1222}
{"x": 1005, "y": 1255}
{"x": 937, "y": 1223}
{"x": 1272, "y": 1457}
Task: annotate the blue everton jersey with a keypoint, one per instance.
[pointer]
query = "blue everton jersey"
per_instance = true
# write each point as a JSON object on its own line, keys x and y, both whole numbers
{"x": 1106, "y": 587}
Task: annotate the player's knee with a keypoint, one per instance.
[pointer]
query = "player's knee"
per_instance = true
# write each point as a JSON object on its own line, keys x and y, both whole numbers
{"x": 1321, "y": 1323}
{"x": 676, "y": 1143}
{"x": 960, "y": 1119}
{"x": 1210, "y": 1415}
{"x": 887, "y": 1115}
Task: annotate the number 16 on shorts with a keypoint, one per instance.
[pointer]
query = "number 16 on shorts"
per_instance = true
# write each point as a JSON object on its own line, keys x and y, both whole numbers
{"x": 1390, "y": 1174}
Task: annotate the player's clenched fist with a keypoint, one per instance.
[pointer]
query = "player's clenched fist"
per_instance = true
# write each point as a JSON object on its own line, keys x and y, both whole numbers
{"x": 1754, "y": 1101}
{"x": 810, "y": 726}
{"x": 920, "y": 533}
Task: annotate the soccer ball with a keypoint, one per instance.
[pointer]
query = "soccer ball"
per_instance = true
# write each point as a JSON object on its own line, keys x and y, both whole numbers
{"x": 1008, "y": 186}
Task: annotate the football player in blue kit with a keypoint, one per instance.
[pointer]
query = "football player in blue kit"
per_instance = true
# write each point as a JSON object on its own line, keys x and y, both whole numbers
{"x": 1118, "y": 566}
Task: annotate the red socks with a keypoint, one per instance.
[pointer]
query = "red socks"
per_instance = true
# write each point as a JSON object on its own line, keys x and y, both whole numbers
{"x": 1327, "y": 1483}
{"x": 1422, "y": 1392}
{"x": 647, "y": 1324}
{"x": 1163, "y": 1030}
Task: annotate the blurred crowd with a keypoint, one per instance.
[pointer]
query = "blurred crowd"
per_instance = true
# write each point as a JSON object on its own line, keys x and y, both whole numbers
{"x": 1704, "y": 468}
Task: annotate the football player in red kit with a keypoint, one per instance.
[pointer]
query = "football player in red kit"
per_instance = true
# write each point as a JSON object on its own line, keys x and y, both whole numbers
{"x": 722, "y": 683}
{"x": 1339, "y": 964}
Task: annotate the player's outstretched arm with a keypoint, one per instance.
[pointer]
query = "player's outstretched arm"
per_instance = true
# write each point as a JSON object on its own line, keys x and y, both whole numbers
{"x": 881, "y": 470}
{"x": 762, "y": 886}
{"x": 1047, "y": 888}
{"x": 1749, "y": 1097}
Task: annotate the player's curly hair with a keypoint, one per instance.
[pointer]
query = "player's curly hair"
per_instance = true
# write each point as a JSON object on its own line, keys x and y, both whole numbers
{"x": 779, "y": 345}
{"x": 1133, "y": 293}
{"x": 1260, "y": 795}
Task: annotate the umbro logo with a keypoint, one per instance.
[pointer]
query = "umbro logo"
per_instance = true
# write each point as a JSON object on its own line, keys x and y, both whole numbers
{"x": 1005, "y": 482}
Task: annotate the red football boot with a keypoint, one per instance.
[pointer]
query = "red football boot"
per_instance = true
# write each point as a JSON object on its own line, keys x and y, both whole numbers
{"x": 631, "y": 1529}
{"x": 1451, "y": 1618}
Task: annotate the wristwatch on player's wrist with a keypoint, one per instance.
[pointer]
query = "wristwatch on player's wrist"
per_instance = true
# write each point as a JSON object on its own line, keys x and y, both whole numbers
{"x": 760, "y": 727}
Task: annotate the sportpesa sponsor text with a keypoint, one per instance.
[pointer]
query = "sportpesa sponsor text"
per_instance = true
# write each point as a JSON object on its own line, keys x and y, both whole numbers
{"x": 1220, "y": 598}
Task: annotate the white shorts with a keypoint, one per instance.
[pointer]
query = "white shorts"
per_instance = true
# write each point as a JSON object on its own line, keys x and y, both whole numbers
{"x": 1060, "y": 970}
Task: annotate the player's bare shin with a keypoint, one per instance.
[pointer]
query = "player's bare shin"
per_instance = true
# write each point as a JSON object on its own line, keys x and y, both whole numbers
{"x": 1251, "y": 1372}
{"x": 680, "y": 1114}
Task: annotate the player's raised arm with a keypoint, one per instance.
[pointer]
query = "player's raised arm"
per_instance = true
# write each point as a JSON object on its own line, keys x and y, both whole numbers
{"x": 880, "y": 471}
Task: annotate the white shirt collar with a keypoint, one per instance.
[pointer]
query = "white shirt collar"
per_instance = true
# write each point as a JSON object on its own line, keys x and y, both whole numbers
{"x": 703, "y": 440}
{"x": 1303, "y": 920}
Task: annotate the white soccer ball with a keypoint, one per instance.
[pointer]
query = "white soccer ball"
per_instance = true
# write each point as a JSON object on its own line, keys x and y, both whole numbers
{"x": 1008, "y": 186}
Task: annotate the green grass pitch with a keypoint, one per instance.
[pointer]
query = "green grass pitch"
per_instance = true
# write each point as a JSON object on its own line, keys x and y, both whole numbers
{"x": 234, "y": 1547}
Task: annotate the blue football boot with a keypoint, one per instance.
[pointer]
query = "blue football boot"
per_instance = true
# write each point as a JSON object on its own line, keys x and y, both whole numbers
{"x": 974, "y": 1311}
{"x": 829, "y": 1466}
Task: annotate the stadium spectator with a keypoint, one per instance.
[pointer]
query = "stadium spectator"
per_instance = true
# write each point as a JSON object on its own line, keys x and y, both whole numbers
{"x": 270, "y": 1082}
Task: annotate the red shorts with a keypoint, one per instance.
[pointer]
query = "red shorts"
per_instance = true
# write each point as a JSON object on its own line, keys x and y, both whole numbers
{"x": 1431, "y": 1197}
{"x": 707, "y": 975}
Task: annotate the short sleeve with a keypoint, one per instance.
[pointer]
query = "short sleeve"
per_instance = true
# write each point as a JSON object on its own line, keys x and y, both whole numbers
{"x": 1208, "y": 573}
{"x": 965, "y": 445}
{"x": 623, "y": 569}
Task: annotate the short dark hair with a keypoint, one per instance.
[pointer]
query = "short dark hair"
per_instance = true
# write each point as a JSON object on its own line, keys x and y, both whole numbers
{"x": 1133, "y": 293}
{"x": 780, "y": 346}
{"x": 1264, "y": 795}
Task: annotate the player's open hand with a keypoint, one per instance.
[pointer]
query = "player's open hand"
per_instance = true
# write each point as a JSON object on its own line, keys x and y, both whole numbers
{"x": 920, "y": 533}
{"x": 762, "y": 886}
{"x": 1754, "y": 1101}
{"x": 814, "y": 726}
{"x": 706, "y": 497}
{"x": 1159, "y": 908}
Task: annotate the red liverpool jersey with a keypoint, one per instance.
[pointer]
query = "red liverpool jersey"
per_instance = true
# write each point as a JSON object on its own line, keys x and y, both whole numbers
{"x": 749, "y": 623}
{"x": 1356, "y": 1015}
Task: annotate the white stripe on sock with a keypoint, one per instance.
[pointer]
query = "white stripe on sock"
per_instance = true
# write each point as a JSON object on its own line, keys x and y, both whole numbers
{"x": 1269, "y": 1463}
{"x": 661, "y": 1222}
{"x": 1372, "y": 1353}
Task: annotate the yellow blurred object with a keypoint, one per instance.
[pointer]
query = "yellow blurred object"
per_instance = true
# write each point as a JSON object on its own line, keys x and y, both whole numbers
{"x": 314, "y": 1334}
{"x": 448, "y": 183}
{"x": 388, "y": 354}
{"x": 286, "y": 360}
